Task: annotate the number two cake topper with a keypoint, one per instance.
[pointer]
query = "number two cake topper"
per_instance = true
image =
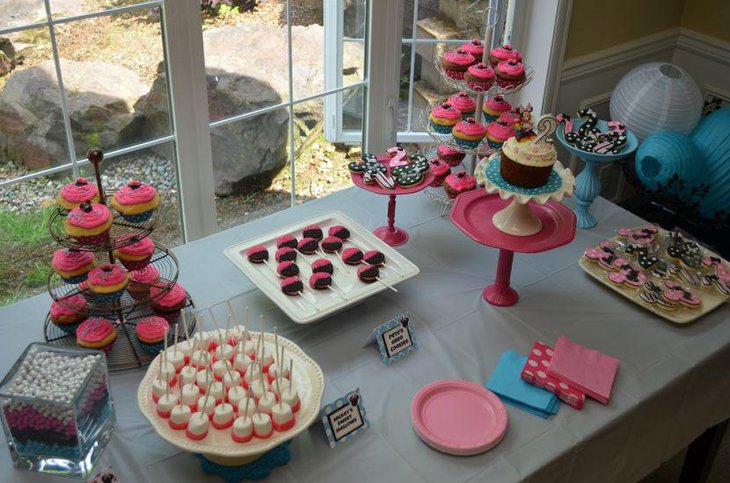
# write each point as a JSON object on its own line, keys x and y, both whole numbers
{"x": 546, "y": 126}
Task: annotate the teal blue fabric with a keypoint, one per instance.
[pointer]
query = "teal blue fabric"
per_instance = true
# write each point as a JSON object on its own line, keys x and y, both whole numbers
{"x": 506, "y": 383}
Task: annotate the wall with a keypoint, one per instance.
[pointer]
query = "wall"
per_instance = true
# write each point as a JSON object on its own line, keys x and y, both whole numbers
{"x": 709, "y": 17}
{"x": 596, "y": 25}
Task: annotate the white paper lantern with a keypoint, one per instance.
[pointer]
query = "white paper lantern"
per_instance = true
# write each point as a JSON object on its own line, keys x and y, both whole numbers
{"x": 657, "y": 96}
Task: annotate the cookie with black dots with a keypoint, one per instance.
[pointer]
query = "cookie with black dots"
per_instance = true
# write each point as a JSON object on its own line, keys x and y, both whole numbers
{"x": 409, "y": 179}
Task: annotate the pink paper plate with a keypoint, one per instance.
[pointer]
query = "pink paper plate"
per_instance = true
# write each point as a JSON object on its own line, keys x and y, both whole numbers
{"x": 458, "y": 417}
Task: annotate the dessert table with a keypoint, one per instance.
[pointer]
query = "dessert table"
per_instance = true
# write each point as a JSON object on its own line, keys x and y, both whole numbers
{"x": 672, "y": 382}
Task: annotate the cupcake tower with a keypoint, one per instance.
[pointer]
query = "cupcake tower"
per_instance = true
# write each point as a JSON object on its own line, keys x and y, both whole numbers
{"x": 227, "y": 381}
{"x": 113, "y": 287}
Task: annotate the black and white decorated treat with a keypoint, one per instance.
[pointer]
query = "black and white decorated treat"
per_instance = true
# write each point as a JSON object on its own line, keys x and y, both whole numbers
{"x": 292, "y": 286}
{"x": 287, "y": 269}
{"x": 322, "y": 265}
{"x": 285, "y": 254}
{"x": 331, "y": 244}
{"x": 339, "y": 231}
{"x": 313, "y": 231}
{"x": 257, "y": 254}
{"x": 308, "y": 246}
{"x": 320, "y": 280}
{"x": 368, "y": 273}
{"x": 286, "y": 241}
{"x": 374, "y": 257}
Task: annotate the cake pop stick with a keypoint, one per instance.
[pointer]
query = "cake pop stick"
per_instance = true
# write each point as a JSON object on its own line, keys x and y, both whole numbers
{"x": 185, "y": 325}
{"x": 231, "y": 312}
{"x": 165, "y": 342}
{"x": 177, "y": 327}
{"x": 207, "y": 390}
{"x": 228, "y": 326}
{"x": 276, "y": 345}
{"x": 278, "y": 386}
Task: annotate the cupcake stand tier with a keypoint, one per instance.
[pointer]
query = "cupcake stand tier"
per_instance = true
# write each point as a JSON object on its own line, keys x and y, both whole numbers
{"x": 391, "y": 234}
{"x": 218, "y": 446}
{"x": 507, "y": 220}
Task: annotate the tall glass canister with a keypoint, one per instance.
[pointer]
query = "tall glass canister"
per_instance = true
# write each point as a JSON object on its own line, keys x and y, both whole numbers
{"x": 57, "y": 410}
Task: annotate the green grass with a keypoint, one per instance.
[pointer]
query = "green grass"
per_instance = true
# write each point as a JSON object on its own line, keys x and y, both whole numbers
{"x": 30, "y": 229}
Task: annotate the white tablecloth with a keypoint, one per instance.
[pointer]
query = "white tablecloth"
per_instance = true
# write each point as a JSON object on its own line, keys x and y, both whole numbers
{"x": 673, "y": 381}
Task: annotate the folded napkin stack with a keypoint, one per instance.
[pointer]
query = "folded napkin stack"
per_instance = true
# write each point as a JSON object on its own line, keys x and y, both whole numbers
{"x": 536, "y": 372}
{"x": 506, "y": 383}
{"x": 587, "y": 370}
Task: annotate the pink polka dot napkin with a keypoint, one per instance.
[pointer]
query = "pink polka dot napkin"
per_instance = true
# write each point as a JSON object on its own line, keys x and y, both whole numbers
{"x": 586, "y": 369}
{"x": 536, "y": 373}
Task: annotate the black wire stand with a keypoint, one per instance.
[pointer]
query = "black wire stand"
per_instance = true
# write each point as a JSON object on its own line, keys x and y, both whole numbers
{"x": 126, "y": 352}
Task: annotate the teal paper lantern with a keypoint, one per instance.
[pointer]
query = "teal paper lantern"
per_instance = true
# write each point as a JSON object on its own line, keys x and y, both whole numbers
{"x": 666, "y": 155}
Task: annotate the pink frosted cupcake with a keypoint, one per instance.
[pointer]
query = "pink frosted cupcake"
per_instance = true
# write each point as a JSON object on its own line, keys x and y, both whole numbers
{"x": 510, "y": 73}
{"x": 89, "y": 223}
{"x": 456, "y": 62}
{"x": 443, "y": 118}
{"x": 452, "y": 157}
{"x": 69, "y": 312}
{"x": 500, "y": 54}
{"x": 500, "y": 130}
{"x": 440, "y": 169}
{"x": 464, "y": 104}
{"x": 142, "y": 280}
{"x": 73, "y": 194}
{"x": 475, "y": 48}
{"x": 107, "y": 282}
{"x": 459, "y": 182}
{"x": 137, "y": 255}
{"x": 469, "y": 133}
{"x": 136, "y": 201}
{"x": 480, "y": 77}
{"x": 168, "y": 300}
{"x": 72, "y": 265}
{"x": 495, "y": 107}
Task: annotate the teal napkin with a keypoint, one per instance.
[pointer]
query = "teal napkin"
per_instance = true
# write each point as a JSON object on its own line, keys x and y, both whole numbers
{"x": 506, "y": 383}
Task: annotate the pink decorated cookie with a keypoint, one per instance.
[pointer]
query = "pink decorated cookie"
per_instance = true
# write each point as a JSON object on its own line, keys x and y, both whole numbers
{"x": 652, "y": 294}
{"x": 456, "y": 62}
{"x": 627, "y": 275}
{"x": 286, "y": 241}
{"x": 474, "y": 47}
{"x": 604, "y": 255}
{"x": 322, "y": 265}
{"x": 480, "y": 77}
{"x": 719, "y": 276}
{"x": 641, "y": 236}
{"x": 142, "y": 280}
{"x": 459, "y": 182}
{"x": 73, "y": 194}
{"x": 136, "y": 201}
{"x": 505, "y": 52}
{"x": 510, "y": 73}
{"x": 72, "y": 265}
{"x": 398, "y": 156}
{"x": 463, "y": 103}
{"x": 108, "y": 281}
{"x": 675, "y": 293}
{"x": 89, "y": 223}
{"x": 495, "y": 107}
{"x": 137, "y": 254}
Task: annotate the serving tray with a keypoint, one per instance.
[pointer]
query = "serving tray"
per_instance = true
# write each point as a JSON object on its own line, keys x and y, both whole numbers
{"x": 314, "y": 305}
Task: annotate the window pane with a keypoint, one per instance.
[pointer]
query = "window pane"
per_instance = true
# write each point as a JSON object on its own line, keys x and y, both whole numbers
{"x": 71, "y": 8}
{"x": 157, "y": 167}
{"x": 352, "y": 109}
{"x": 442, "y": 19}
{"x": 250, "y": 161}
{"x": 114, "y": 77}
{"x": 246, "y": 58}
{"x": 25, "y": 244}
{"x": 32, "y": 132}
{"x": 19, "y": 13}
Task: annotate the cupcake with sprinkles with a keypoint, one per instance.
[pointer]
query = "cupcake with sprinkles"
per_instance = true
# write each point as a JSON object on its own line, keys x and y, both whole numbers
{"x": 443, "y": 118}
{"x": 136, "y": 201}
{"x": 107, "y": 282}
{"x": 168, "y": 300}
{"x": 463, "y": 102}
{"x": 73, "y": 194}
{"x": 500, "y": 131}
{"x": 469, "y": 133}
{"x": 69, "y": 312}
{"x": 72, "y": 265}
{"x": 151, "y": 333}
{"x": 89, "y": 223}
{"x": 495, "y": 107}
{"x": 96, "y": 333}
{"x": 141, "y": 281}
{"x": 137, "y": 254}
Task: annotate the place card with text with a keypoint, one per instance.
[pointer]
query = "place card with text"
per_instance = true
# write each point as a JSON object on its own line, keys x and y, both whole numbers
{"x": 344, "y": 418}
{"x": 396, "y": 338}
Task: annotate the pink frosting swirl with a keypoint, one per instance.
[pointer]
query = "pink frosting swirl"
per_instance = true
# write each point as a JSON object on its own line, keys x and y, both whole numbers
{"x": 474, "y": 47}
{"x": 147, "y": 276}
{"x": 500, "y": 129}
{"x": 152, "y": 328}
{"x": 169, "y": 296}
{"x": 134, "y": 193}
{"x": 69, "y": 306}
{"x": 69, "y": 260}
{"x": 94, "y": 330}
{"x": 463, "y": 102}
{"x": 143, "y": 247}
{"x": 459, "y": 57}
{"x": 471, "y": 128}
{"x": 444, "y": 150}
{"x": 438, "y": 167}
{"x": 107, "y": 274}
{"x": 89, "y": 215}
{"x": 461, "y": 181}
{"x": 79, "y": 191}
{"x": 481, "y": 71}
{"x": 498, "y": 104}
{"x": 446, "y": 111}
{"x": 505, "y": 52}
{"x": 511, "y": 67}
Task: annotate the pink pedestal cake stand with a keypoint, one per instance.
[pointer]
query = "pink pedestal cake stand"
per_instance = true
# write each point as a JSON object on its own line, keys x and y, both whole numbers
{"x": 473, "y": 212}
{"x": 391, "y": 234}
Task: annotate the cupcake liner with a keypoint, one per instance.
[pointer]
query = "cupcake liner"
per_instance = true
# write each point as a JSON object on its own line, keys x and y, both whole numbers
{"x": 467, "y": 143}
{"x": 75, "y": 278}
{"x": 494, "y": 144}
{"x": 487, "y": 118}
{"x": 480, "y": 86}
{"x": 504, "y": 83}
{"x": 107, "y": 297}
{"x": 99, "y": 239}
{"x": 171, "y": 317}
{"x": 437, "y": 182}
{"x": 454, "y": 74}
{"x": 439, "y": 128}
{"x": 67, "y": 328}
{"x": 133, "y": 265}
{"x": 467, "y": 115}
{"x": 152, "y": 349}
{"x": 140, "y": 218}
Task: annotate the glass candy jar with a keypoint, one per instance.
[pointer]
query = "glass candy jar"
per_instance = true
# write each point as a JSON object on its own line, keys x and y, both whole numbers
{"x": 57, "y": 410}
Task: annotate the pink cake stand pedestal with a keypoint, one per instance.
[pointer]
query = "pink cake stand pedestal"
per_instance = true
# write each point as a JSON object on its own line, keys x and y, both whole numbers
{"x": 473, "y": 212}
{"x": 391, "y": 234}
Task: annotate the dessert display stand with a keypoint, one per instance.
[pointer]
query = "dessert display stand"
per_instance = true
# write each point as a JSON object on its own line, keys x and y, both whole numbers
{"x": 472, "y": 154}
{"x": 513, "y": 220}
{"x": 124, "y": 313}
{"x": 588, "y": 181}
{"x": 391, "y": 234}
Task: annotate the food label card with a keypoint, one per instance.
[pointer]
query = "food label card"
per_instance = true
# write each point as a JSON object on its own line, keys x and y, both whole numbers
{"x": 344, "y": 418}
{"x": 396, "y": 338}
